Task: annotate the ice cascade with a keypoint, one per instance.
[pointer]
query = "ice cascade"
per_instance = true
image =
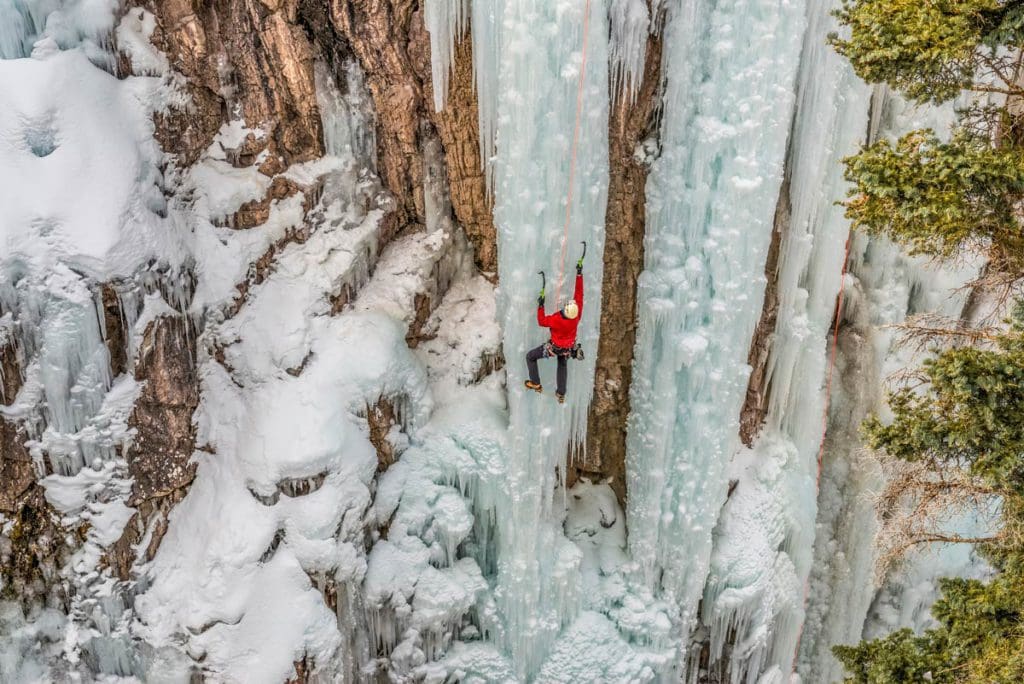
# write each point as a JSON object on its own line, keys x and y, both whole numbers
{"x": 527, "y": 81}
{"x": 753, "y": 602}
{"x": 710, "y": 200}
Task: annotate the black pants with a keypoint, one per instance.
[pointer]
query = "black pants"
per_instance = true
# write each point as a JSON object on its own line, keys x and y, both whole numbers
{"x": 540, "y": 352}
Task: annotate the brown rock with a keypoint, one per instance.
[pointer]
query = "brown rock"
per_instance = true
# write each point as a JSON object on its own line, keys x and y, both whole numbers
{"x": 10, "y": 369}
{"x": 160, "y": 453}
{"x": 245, "y": 59}
{"x": 459, "y": 129}
{"x": 393, "y": 47}
{"x": 380, "y": 418}
{"x": 152, "y": 514}
{"x": 755, "y": 406}
{"x": 113, "y": 330}
{"x": 625, "y": 222}
{"x": 256, "y": 212}
{"x": 16, "y": 474}
{"x": 36, "y": 551}
{"x": 423, "y": 307}
{"x": 378, "y": 31}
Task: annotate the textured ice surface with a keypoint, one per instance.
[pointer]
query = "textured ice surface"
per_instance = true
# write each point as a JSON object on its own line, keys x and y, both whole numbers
{"x": 82, "y": 203}
{"x": 25, "y": 24}
{"x": 893, "y": 287}
{"x": 711, "y": 199}
{"x": 528, "y": 58}
{"x": 466, "y": 559}
{"x": 755, "y": 596}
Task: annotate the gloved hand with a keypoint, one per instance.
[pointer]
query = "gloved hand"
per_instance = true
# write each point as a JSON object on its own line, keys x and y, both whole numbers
{"x": 579, "y": 267}
{"x": 540, "y": 301}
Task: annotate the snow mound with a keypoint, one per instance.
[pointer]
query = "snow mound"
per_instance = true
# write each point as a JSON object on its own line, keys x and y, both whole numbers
{"x": 79, "y": 182}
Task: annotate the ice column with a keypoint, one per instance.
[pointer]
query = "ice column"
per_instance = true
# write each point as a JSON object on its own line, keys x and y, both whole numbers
{"x": 538, "y": 79}
{"x": 711, "y": 198}
{"x": 67, "y": 22}
{"x": 886, "y": 286}
{"x": 761, "y": 612}
{"x": 528, "y": 61}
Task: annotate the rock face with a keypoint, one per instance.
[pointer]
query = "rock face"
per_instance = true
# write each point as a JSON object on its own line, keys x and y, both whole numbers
{"x": 378, "y": 33}
{"x": 16, "y": 473}
{"x": 755, "y": 406}
{"x": 631, "y": 124}
{"x": 380, "y": 419}
{"x": 392, "y": 45}
{"x": 459, "y": 129}
{"x": 158, "y": 460}
{"x": 113, "y": 330}
{"x": 30, "y": 562}
{"x": 31, "y": 557}
{"x": 240, "y": 59}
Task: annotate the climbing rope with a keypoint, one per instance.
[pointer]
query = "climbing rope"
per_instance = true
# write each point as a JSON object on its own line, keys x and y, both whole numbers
{"x": 824, "y": 429}
{"x": 572, "y": 160}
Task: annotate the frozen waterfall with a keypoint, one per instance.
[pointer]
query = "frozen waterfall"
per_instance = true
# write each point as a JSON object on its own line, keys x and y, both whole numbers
{"x": 528, "y": 60}
{"x": 376, "y": 495}
{"x": 711, "y": 201}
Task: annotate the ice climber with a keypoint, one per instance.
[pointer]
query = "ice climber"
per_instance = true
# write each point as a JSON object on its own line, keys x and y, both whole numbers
{"x": 562, "y": 344}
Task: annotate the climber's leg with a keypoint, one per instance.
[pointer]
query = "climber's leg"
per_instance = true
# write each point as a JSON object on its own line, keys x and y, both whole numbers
{"x": 563, "y": 361}
{"x": 531, "y": 366}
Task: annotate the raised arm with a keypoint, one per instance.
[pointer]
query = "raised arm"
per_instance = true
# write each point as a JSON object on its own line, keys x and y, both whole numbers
{"x": 578, "y": 292}
{"x": 542, "y": 320}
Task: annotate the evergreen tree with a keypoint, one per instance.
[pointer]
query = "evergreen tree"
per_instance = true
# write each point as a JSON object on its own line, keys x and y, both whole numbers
{"x": 930, "y": 50}
{"x": 942, "y": 198}
{"x": 970, "y": 415}
{"x": 965, "y": 424}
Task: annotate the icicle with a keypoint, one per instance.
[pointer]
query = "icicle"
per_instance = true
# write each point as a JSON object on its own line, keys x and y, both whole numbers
{"x": 885, "y": 287}
{"x": 527, "y": 62}
{"x": 630, "y": 26}
{"x": 711, "y": 197}
{"x": 446, "y": 20}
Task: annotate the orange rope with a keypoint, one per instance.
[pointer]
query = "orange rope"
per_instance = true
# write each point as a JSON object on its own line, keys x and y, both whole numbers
{"x": 824, "y": 430}
{"x": 575, "y": 143}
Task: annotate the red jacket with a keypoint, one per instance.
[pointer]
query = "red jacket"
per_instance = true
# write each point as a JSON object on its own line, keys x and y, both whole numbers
{"x": 563, "y": 330}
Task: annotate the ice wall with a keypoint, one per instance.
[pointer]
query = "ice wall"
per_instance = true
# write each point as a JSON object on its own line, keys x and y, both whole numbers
{"x": 528, "y": 59}
{"x": 466, "y": 558}
{"x": 537, "y": 80}
{"x": 885, "y": 288}
{"x": 711, "y": 198}
{"x": 755, "y": 598}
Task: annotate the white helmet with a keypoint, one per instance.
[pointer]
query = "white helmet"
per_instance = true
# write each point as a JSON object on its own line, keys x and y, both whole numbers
{"x": 571, "y": 311}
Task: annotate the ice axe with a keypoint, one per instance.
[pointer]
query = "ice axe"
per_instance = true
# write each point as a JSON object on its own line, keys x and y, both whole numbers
{"x": 543, "y": 283}
{"x": 579, "y": 264}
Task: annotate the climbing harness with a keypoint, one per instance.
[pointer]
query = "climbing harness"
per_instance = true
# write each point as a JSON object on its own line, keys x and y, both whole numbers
{"x": 573, "y": 352}
{"x": 824, "y": 429}
{"x": 575, "y": 144}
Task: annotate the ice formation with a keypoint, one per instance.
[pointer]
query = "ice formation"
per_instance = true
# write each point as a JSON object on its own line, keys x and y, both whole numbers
{"x": 446, "y": 545}
{"x": 884, "y": 287}
{"x": 711, "y": 200}
{"x": 759, "y": 605}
